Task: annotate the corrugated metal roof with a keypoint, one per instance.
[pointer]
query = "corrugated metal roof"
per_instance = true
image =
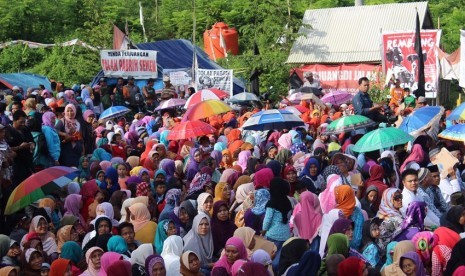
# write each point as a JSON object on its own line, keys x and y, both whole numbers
{"x": 352, "y": 34}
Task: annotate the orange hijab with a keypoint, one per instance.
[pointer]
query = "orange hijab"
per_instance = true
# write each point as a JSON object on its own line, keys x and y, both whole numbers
{"x": 233, "y": 135}
{"x": 345, "y": 199}
{"x": 230, "y": 163}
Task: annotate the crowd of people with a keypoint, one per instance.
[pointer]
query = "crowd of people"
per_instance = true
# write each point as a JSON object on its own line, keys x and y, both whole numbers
{"x": 236, "y": 202}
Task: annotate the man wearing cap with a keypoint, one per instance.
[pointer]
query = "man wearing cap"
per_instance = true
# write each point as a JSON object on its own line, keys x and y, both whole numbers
{"x": 310, "y": 81}
{"x": 434, "y": 192}
{"x": 449, "y": 184}
{"x": 426, "y": 181}
{"x": 421, "y": 102}
{"x": 169, "y": 91}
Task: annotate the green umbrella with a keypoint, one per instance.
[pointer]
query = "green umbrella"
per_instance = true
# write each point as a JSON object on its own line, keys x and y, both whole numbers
{"x": 382, "y": 138}
{"x": 349, "y": 123}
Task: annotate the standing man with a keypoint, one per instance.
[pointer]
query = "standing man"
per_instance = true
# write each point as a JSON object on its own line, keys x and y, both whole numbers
{"x": 149, "y": 94}
{"x": 105, "y": 93}
{"x": 20, "y": 140}
{"x": 169, "y": 91}
{"x": 132, "y": 95}
{"x": 310, "y": 81}
{"x": 118, "y": 93}
{"x": 363, "y": 105}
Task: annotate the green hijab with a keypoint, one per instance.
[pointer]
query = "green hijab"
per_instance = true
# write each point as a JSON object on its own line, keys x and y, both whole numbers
{"x": 338, "y": 244}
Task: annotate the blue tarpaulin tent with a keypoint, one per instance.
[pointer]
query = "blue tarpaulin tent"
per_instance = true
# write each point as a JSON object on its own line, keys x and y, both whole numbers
{"x": 23, "y": 80}
{"x": 175, "y": 54}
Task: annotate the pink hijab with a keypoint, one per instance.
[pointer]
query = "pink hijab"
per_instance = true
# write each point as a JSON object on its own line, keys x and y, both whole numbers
{"x": 141, "y": 216}
{"x": 308, "y": 221}
{"x": 223, "y": 261}
{"x": 416, "y": 155}
{"x": 108, "y": 258}
{"x": 285, "y": 141}
{"x": 72, "y": 204}
{"x": 243, "y": 158}
{"x": 327, "y": 197}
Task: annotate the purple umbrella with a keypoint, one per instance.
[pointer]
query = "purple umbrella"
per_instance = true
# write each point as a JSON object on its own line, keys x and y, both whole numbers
{"x": 337, "y": 97}
{"x": 171, "y": 103}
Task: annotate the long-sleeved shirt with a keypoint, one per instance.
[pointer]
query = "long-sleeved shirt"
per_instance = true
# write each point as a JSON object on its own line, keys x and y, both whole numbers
{"x": 429, "y": 200}
{"x": 448, "y": 188}
{"x": 362, "y": 104}
{"x": 434, "y": 192}
{"x": 53, "y": 142}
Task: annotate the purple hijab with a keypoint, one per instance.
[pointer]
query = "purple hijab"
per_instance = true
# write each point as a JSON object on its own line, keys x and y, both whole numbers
{"x": 169, "y": 167}
{"x": 47, "y": 119}
{"x": 217, "y": 155}
{"x": 192, "y": 166}
{"x": 415, "y": 215}
{"x": 72, "y": 204}
{"x": 414, "y": 257}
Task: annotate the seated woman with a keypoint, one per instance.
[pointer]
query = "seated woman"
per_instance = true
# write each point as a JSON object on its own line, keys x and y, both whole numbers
{"x": 389, "y": 212}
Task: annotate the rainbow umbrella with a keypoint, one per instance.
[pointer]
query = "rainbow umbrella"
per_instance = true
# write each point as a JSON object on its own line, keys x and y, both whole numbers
{"x": 205, "y": 94}
{"x": 190, "y": 129}
{"x": 206, "y": 109}
{"x": 454, "y": 133}
{"x": 38, "y": 185}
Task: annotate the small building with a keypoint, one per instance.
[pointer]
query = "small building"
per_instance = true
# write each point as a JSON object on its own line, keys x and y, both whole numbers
{"x": 342, "y": 44}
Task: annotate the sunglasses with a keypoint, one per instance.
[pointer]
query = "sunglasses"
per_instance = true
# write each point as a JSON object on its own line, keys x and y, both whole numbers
{"x": 398, "y": 197}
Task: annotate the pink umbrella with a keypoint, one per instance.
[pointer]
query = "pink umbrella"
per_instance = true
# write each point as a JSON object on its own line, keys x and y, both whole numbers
{"x": 171, "y": 103}
{"x": 205, "y": 94}
{"x": 337, "y": 97}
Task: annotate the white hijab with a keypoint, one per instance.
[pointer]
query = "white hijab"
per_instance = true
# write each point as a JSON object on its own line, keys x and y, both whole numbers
{"x": 171, "y": 254}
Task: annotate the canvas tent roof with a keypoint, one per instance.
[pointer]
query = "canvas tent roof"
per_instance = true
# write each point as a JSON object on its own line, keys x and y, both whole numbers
{"x": 176, "y": 54}
{"x": 23, "y": 80}
{"x": 353, "y": 34}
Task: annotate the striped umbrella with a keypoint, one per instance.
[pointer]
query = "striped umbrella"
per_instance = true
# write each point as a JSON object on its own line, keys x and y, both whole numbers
{"x": 205, "y": 94}
{"x": 205, "y": 109}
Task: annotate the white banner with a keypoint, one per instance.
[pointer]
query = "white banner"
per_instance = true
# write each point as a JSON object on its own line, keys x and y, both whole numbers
{"x": 462, "y": 59}
{"x": 220, "y": 79}
{"x": 140, "y": 64}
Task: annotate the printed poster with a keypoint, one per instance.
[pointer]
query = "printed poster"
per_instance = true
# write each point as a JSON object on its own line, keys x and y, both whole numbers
{"x": 221, "y": 79}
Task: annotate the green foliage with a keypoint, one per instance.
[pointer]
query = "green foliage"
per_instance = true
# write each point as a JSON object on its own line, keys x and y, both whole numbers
{"x": 264, "y": 22}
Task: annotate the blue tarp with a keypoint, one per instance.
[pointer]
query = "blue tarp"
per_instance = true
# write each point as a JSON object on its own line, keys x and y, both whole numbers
{"x": 23, "y": 80}
{"x": 175, "y": 54}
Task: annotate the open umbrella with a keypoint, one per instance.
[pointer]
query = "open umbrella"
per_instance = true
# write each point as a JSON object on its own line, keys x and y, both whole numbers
{"x": 458, "y": 113}
{"x": 206, "y": 109}
{"x": 190, "y": 129}
{"x": 382, "y": 138}
{"x": 421, "y": 119}
{"x": 205, "y": 94}
{"x": 39, "y": 185}
{"x": 349, "y": 123}
{"x": 295, "y": 98}
{"x": 293, "y": 109}
{"x": 337, "y": 97}
{"x": 273, "y": 119}
{"x": 307, "y": 89}
{"x": 454, "y": 133}
{"x": 171, "y": 103}
{"x": 244, "y": 97}
{"x": 114, "y": 112}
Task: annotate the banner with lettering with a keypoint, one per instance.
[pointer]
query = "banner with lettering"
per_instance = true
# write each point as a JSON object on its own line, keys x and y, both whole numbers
{"x": 140, "y": 64}
{"x": 180, "y": 78}
{"x": 341, "y": 76}
{"x": 462, "y": 60}
{"x": 401, "y": 60}
{"x": 220, "y": 79}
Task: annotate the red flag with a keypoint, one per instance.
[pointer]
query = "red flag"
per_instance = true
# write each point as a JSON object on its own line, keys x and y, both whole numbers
{"x": 118, "y": 38}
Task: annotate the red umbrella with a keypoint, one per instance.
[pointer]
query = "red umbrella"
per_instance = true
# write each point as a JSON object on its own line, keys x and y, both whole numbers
{"x": 190, "y": 129}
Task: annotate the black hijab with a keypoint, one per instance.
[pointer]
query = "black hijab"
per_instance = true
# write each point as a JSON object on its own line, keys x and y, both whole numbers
{"x": 291, "y": 254}
{"x": 279, "y": 189}
{"x": 452, "y": 217}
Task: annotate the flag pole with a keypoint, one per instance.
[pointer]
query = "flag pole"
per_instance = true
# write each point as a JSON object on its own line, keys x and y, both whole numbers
{"x": 141, "y": 17}
{"x": 194, "y": 56}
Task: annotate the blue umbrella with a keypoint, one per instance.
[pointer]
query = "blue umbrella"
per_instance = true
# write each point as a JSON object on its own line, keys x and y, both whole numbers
{"x": 244, "y": 97}
{"x": 114, "y": 112}
{"x": 454, "y": 133}
{"x": 458, "y": 113}
{"x": 273, "y": 119}
{"x": 421, "y": 119}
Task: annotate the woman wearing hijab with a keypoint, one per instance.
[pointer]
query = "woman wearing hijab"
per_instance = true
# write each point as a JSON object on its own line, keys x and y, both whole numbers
{"x": 413, "y": 222}
{"x": 456, "y": 264}
{"x": 309, "y": 264}
{"x": 64, "y": 234}
{"x": 138, "y": 258}
{"x": 277, "y": 212}
{"x": 102, "y": 226}
{"x": 73, "y": 205}
{"x": 193, "y": 162}
{"x": 254, "y": 216}
{"x": 73, "y": 252}
{"x": 311, "y": 172}
{"x": 290, "y": 174}
{"x": 227, "y": 160}
{"x": 399, "y": 250}
{"x": 337, "y": 244}
{"x": 93, "y": 260}
{"x": 165, "y": 229}
{"x": 144, "y": 228}
{"x": 415, "y": 158}
{"x": 199, "y": 239}
{"x": 108, "y": 258}
{"x": 243, "y": 158}
{"x": 291, "y": 252}
{"x": 51, "y": 137}
{"x": 376, "y": 179}
{"x": 263, "y": 178}
{"x": 84, "y": 167}
{"x": 345, "y": 202}
{"x": 172, "y": 200}
{"x": 412, "y": 265}
{"x": 69, "y": 129}
{"x": 172, "y": 250}
{"x": 389, "y": 212}
{"x": 186, "y": 214}
{"x": 234, "y": 250}
{"x": 352, "y": 265}
{"x": 442, "y": 251}
{"x": 205, "y": 203}
{"x": 453, "y": 219}
{"x": 39, "y": 225}
{"x": 201, "y": 179}
{"x": 222, "y": 226}
{"x": 308, "y": 220}
{"x": 155, "y": 265}
{"x": 222, "y": 193}
{"x": 32, "y": 262}
{"x": 190, "y": 264}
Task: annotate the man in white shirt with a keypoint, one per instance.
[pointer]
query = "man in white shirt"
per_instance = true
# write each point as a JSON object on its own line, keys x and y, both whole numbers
{"x": 310, "y": 82}
{"x": 409, "y": 194}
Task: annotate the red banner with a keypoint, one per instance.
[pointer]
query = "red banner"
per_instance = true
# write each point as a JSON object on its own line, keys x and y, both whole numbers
{"x": 401, "y": 60}
{"x": 341, "y": 77}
